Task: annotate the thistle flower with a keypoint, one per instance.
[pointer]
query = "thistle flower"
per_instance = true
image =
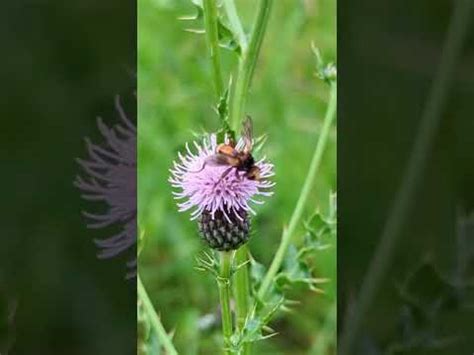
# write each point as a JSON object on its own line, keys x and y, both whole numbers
{"x": 221, "y": 199}
{"x": 111, "y": 178}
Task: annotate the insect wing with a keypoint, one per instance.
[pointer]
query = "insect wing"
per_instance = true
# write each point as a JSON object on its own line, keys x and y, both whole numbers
{"x": 247, "y": 134}
{"x": 217, "y": 160}
{"x": 213, "y": 160}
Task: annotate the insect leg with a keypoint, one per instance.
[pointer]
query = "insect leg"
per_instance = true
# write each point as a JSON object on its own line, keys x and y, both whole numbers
{"x": 240, "y": 177}
{"x": 224, "y": 174}
{"x": 254, "y": 173}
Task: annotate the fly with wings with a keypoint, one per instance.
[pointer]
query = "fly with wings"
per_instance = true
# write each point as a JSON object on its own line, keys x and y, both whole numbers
{"x": 237, "y": 160}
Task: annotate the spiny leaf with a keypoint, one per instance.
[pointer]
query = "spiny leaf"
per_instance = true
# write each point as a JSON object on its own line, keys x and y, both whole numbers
{"x": 293, "y": 267}
{"x": 257, "y": 273}
{"x": 255, "y": 327}
{"x": 207, "y": 263}
{"x": 238, "y": 267}
{"x": 427, "y": 289}
{"x": 320, "y": 232}
{"x": 227, "y": 39}
{"x": 427, "y": 296}
{"x": 325, "y": 71}
{"x": 222, "y": 106}
{"x": 297, "y": 271}
{"x": 296, "y": 268}
{"x": 222, "y": 111}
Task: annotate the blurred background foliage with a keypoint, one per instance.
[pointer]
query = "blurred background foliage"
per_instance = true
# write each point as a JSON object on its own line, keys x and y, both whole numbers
{"x": 287, "y": 102}
{"x": 389, "y": 53}
{"x": 62, "y": 67}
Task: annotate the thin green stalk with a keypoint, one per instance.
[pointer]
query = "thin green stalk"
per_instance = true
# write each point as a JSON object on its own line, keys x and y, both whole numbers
{"x": 308, "y": 184}
{"x": 325, "y": 336}
{"x": 212, "y": 36}
{"x": 428, "y": 128}
{"x": 238, "y": 97}
{"x": 247, "y": 65}
{"x": 164, "y": 338}
{"x": 235, "y": 24}
{"x": 241, "y": 287}
{"x": 223, "y": 281}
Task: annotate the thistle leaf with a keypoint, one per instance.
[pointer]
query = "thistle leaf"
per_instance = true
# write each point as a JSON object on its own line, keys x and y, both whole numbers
{"x": 227, "y": 38}
{"x": 428, "y": 290}
{"x": 255, "y": 327}
{"x": 257, "y": 273}
{"x": 222, "y": 106}
{"x": 207, "y": 263}
{"x": 297, "y": 271}
{"x": 320, "y": 231}
{"x": 325, "y": 71}
{"x": 427, "y": 297}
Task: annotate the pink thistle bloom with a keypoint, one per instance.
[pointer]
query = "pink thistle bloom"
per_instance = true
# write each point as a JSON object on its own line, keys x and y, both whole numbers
{"x": 204, "y": 188}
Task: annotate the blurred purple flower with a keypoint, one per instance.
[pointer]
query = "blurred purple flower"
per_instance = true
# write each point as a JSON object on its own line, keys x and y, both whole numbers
{"x": 110, "y": 176}
{"x": 204, "y": 188}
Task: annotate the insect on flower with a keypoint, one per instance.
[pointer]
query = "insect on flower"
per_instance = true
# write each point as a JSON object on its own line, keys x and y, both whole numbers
{"x": 240, "y": 160}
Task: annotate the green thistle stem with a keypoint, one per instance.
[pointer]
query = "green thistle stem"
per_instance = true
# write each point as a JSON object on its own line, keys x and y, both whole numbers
{"x": 241, "y": 287}
{"x": 308, "y": 184}
{"x": 223, "y": 281}
{"x": 324, "y": 338}
{"x": 155, "y": 322}
{"x": 212, "y": 36}
{"x": 247, "y": 65}
{"x": 237, "y": 101}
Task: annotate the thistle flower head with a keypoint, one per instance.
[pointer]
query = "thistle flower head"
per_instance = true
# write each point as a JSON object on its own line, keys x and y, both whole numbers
{"x": 110, "y": 176}
{"x": 218, "y": 192}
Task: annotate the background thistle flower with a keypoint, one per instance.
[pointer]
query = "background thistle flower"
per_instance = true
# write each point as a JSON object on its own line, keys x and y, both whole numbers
{"x": 111, "y": 178}
{"x": 221, "y": 201}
